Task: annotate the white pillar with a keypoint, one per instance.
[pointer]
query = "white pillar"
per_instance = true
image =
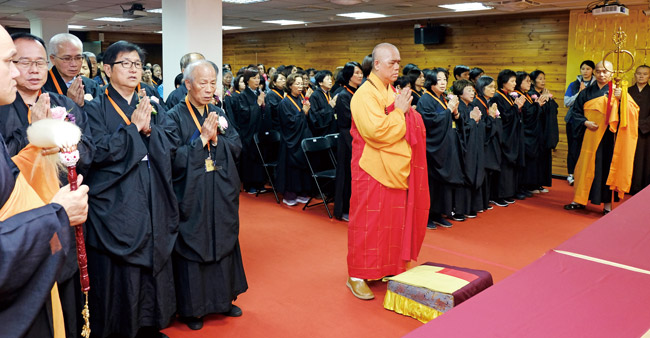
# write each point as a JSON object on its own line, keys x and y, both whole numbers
{"x": 47, "y": 24}
{"x": 190, "y": 26}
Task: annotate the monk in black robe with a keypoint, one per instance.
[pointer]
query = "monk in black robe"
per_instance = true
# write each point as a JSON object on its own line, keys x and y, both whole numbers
{"x": 178, "y": 95}
{"x": 133, "y": 222}
{"x": 248, "y": 113}
{"x": 322, "y": 120}
{"x": 443, "y": 159}
{"x": 35, "y": 236}
{"x": 550, "y": 129}
{"x": 512, "y": 150}
{"x": 208, "y": 268}
{"x": 351, "y": 77}
{"x": 293, "y": 180}
{"x": 640, "y": 92}
{"x": 30, "y": 106}
{"x": 64, "y": 78}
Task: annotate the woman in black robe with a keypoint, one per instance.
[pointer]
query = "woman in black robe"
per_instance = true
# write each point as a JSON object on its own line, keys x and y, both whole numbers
{"x": 321, "y": 118}
{"x": 550, "y": 129}
{"x": 512, "y": 149}
{"x": 532, "y": 124}
{"x": 416, "y": 79}
{"x": 293, "y": 179}
{"x": 231, "y": 97}
{"x": 443, "y": 161}
{"x": 273, "y": 98}
{"x": 351, "y": 78}
{"x": 485, "y": 89}
{"x": 248, "y": 111}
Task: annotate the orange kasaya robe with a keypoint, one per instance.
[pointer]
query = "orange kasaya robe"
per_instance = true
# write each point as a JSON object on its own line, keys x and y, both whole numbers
{"x": 389, "y": 204}
{"x": 621, "y": 168}
{"x": 35, "y": 186}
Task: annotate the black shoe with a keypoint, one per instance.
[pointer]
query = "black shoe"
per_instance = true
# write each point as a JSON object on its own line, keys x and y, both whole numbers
{"x": 520, "y": 196}
{"x": 235, "y": 311}
{"x": 528, "y": 193}
{"x": 605, "y": 211}
{"x": 193, "y": 323}
{"x": 471, "y": 214}
{"x": 574, "y": 206}
{"x": 438, "y": 220}
{"x": 457, "y": 217}
{"x": 431, "y": 225}
{"x": 489, "y": 207}
{"x": 499, "y": 203}
{"x": 509, "y": 200}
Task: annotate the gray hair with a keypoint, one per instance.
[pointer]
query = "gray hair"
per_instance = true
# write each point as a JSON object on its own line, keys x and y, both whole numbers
{"x": 187, "y": 59}
{"x": 62, "y": 38}
{"x": 189, "y": 70}
{"x": 90, "y": 54}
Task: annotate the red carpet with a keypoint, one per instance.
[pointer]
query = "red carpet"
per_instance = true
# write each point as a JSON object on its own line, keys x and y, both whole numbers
{"x": 295, "y": 263}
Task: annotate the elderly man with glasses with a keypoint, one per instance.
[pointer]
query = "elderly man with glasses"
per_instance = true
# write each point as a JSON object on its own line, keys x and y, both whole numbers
{"x": 64, "y": 78}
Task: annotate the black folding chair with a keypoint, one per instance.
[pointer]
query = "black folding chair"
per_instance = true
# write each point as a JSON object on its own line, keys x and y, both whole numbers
{"x": 334, "y": 142}
{"x": 325, "y": 173}
{"x": 268, "y": 147}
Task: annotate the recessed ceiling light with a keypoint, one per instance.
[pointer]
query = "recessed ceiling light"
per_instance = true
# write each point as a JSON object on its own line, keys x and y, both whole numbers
{"x": 285, "y": 22}
{"x": 75, "y": 27}
{"x": 158, "y": 32}
{"x": 362, "y": 15}
{"x": 112, "y": 19}
{"x": 243, "y": 2}
{"x": 466, "y": 6}
{"x": 155, "y": 10}
{"x": 227, "y": 28}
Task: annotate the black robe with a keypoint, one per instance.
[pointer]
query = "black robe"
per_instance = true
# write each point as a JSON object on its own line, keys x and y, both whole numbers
{"x": 512, "y": 148}
{"x": 443, "y": 155}
{"x": 550, "y": 139}
{"x": 416, "y": 95}
{"x": 472, "y": 142}
{"x": 229, "y": 102}
{"x": 321, "y": 118}
{"x": 28, "y": 267}
{"x": 293, "y": 172}
{"x": 248, "y": 118}
{"x": 176, "y": 96}
{"x": 492, "y": 146}
{"x": 343, "y": 189}
{"x": 641, "y": 175}
{"x": 132, "y": 220}
{"x": 90, "y": 86}
{"x": 271, "y": 102}
{"x": 599, "y": 192}
{"x": 533, "y": 142}
{"x": 208, "y": 268}
{"x": 13, "y": 125}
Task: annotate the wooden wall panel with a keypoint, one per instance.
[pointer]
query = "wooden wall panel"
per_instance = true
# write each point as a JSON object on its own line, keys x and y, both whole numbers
{"x": 519, "y": 42}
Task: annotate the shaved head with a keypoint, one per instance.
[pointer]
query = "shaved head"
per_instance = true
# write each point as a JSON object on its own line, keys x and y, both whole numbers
{"x": 385, "y": 62}
{"x": 603, "y": 72}
{"x": 8, "y": 70}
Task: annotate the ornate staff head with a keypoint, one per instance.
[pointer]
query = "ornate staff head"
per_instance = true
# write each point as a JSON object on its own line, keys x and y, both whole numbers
{"x": 619, "y": 66}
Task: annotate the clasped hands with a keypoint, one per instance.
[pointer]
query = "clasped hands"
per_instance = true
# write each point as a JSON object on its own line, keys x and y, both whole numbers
{"x": 209, "y": 130}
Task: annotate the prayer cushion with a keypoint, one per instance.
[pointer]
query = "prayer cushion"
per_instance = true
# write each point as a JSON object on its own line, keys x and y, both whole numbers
{"x": 431, "y": 289}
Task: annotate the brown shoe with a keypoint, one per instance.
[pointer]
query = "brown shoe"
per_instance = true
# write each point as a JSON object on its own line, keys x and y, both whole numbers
{"x": 360, "y": 289}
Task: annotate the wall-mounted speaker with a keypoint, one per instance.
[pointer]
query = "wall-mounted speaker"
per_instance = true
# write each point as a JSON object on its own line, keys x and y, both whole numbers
{"x": 429, "y": 35}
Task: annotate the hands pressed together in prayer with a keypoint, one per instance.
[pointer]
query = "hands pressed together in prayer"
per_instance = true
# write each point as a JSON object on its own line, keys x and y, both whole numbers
{"x": 492, "y": 112}
{"x": 453, "y": 105}
{"x": 75, "y": 202}
{"x": 76, "y": 91}
{"x": 41, "y": 109}
{"x": 141, "y": 116}
{"x": 519, "y": 101}
{"x": 306, "y": 106}
{"x": 260, "y": 99}
{"x": 475, "y": 114}
{"x": 209, "y": 130}
{"x": 403, "y": 100}
{"x": 333, "y": 101}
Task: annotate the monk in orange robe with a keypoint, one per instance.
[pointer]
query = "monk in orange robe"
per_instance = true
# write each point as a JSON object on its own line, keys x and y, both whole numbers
{"x": 389, "y": 205}
{"x": 606, "y": 118}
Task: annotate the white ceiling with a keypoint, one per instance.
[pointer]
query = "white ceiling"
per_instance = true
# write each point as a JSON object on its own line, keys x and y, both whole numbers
{"x": 317, "y": 13}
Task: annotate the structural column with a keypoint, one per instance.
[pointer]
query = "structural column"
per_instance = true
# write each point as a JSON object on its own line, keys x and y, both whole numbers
{"x": 190, "y": 26}
{"x": 47, "y": 24}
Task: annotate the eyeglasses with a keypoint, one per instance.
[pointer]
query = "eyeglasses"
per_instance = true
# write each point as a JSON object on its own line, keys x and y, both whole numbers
{"x": 26, "y": 64}
{"x": 68, "y": 59}
{"x": 127, "y": 64}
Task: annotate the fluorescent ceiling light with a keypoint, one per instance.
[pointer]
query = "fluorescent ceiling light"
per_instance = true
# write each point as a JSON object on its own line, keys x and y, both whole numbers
{"x": 75, "y": 27}
{"x": 362, "y": 15}
{"x": 112, "y": 19}
{"x": 158, "y": 32}
{"x": 155, "y": 10}
{"x": 227, "y": 28}
{"x": 466, "y": 6}
{"x": 285, "y": 22}
{"x": 243, "y": 2}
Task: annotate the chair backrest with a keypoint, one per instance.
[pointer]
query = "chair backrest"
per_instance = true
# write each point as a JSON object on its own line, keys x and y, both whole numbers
{"x": 313, "y": 144}
{"x": 334, "y": 141}
{"x": 268, "y": 145}
{"x": 318, "y": 153}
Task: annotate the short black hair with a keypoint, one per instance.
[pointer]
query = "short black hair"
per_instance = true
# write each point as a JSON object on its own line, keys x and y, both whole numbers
{"x": 408, "y": 68}
{"x": 402, "y": 82}
{"x": 27, "y": 36}
{"x": 460, "y": 69}
{"x": 348, "y": 70}
{"x": 588, "y": 63}
{"x": 235, "y": 82}
{"x": 321, "y": 75}
{"x": 291, "y": 79}
{"x": 274, "y": 79}
{"x": 459, "y": 86}
{"x": 505, "y": 76}
{"x": 413, "y": 76}
{"x": 100, "y": 57}
{"x": 483, "y": 82}
{"x": 475, "y": 73}
{"x": 111, "y": 53}
{"x": 366, "y": 65}
{"x": 535, "y": 74}
{"x": 249, "y": 73}
{"x": 178, "y": 80}
{"x": 431, "y": 78}
{"x": 90, "y": 66}
{"x": 521, "y": 76}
